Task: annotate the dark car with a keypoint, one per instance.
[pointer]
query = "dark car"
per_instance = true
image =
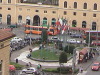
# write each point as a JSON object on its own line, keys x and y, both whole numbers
{"x": 76, "y": 35}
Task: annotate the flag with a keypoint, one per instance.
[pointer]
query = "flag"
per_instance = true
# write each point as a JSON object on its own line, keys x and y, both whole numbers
{"x": 64, "y": 29}
{"x": 61, "y": 22}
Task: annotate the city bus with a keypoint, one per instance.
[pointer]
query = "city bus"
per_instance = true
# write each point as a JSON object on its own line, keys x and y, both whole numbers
{"x": 38, "y": 29}
{"x": 93, "y": 34}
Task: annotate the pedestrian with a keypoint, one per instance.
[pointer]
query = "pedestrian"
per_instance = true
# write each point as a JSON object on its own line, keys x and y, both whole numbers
{"x": 30, "y": 50}
{"x": 16, "y": 60}
{"x": 81, "y": 69}
{"x": 30, "y": 64}
{"x": 27, "y": 65}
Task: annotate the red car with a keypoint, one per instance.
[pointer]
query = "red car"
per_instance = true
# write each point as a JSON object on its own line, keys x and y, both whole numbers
{"x": 12, "y": 68}
{"x": 95, "y": 66}
{"x": 96, "y": 43}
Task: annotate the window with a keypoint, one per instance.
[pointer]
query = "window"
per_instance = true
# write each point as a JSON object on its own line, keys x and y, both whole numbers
{"x": 19, "y": 19}
{"x": 28, "y": 9}
{"x": 95, "y": 6}
{"x": 53, "y": 11}
{"x": 0, "y": 7}
{"x": 37, "y": 11}
{"x": 20, "y": 9}
{"x": 94, "y": 15}
{"x": 0, "y": 1}
{"x": 65, "y": 4}
{"x": 85, "y": 6}
{"x": 84, "y": 14}
{"x": 45, "y": 11}
{"x": 9, "y": 1}
{"x": 75, "y": 5}
{"x": 74, "y": 13}
{"x": 93, "y": 25}
{"x": 65, "y": 13}
{"x": 1, "y": 67}
{"x": 53, "y": 21}
{"x": 9, "y": 8}
{"x": 2, "y": 45}
{"x": 84, "y": 24}
{"x": 0, "y": 18}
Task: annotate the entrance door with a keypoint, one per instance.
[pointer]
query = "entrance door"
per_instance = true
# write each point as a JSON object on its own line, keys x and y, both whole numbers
{"x": 36, "y": 20}
{"x": 8, "y": 19}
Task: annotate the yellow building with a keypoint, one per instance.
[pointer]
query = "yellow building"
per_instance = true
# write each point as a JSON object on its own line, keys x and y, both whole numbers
{"x": 78, "y": 13}
{"x": 5, "y": 51}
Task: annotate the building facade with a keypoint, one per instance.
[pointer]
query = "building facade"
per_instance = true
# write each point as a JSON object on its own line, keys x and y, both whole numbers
{"x": 5, "y": 38}
{"x": 84, "y": 13}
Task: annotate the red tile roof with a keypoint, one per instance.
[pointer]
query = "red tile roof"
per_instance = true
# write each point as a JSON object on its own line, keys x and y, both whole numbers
{"x": 4, "y": 35}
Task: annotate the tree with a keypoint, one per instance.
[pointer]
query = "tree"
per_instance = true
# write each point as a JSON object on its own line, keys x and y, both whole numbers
{"x": 87, "y": 39}
{"x": 44, "y": 35}
{"x": 63, "y": 57}
{"x": 69, "y": 49}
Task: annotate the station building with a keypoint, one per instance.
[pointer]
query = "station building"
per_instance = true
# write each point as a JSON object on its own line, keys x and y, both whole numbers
{"x": 77, "y": 13}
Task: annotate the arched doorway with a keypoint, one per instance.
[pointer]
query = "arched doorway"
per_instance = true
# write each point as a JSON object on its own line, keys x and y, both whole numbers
{"x": 84, "y": 24}
{"x": 0, "y": 18}
{"x": 28, "y": 20}
{"x": 53, "y": 21}
{"x": 19, "y": 19}
{"x": 44, "y": 21}
{"x": 36, "y": 20}
{"x": 8, "y": 19}
{"x": 74, "y": 23}
{"x": 93, "y": 25}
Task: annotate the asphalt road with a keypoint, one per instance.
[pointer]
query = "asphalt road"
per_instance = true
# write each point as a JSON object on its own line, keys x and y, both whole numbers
{"x": 90, "y": 72}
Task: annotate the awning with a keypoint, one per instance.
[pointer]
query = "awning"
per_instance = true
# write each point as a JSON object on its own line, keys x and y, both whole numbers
{"x": 83, "y": 51}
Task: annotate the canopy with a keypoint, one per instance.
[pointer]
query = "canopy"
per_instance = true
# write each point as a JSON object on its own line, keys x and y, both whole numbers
{"x": 83, "y": 51}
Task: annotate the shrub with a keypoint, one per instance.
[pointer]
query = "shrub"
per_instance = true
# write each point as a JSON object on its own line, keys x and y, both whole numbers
{"x": 64, "y": 70}
{"x": 18, "y": 66}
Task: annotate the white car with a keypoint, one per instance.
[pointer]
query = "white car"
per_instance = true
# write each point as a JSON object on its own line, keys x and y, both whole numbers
{"x": 30, "y": 70}
{"x": 56, "y": 39}
{"x": 17, "y": 39}
{"x": 73, "y": 41}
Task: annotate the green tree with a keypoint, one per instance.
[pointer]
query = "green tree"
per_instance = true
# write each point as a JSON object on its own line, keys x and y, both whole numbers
{"x": 87, "y": 39}
{"x": 69, "y": 49}
{"x": 44, "y": 35}
{"x": 63, "y": 57}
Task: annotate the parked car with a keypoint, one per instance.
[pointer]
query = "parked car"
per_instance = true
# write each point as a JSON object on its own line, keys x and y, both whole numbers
{"x": 76, "y": 35}
{"x": 95, "y": 43}
{"x": 12, "y": 68}
{"x": 56, "y": 39}
{"x": 30, "y": 70}
{"x": 17, "y": 39}
{"x": 95, "y": 66}
{"x": 73, "y": 41}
